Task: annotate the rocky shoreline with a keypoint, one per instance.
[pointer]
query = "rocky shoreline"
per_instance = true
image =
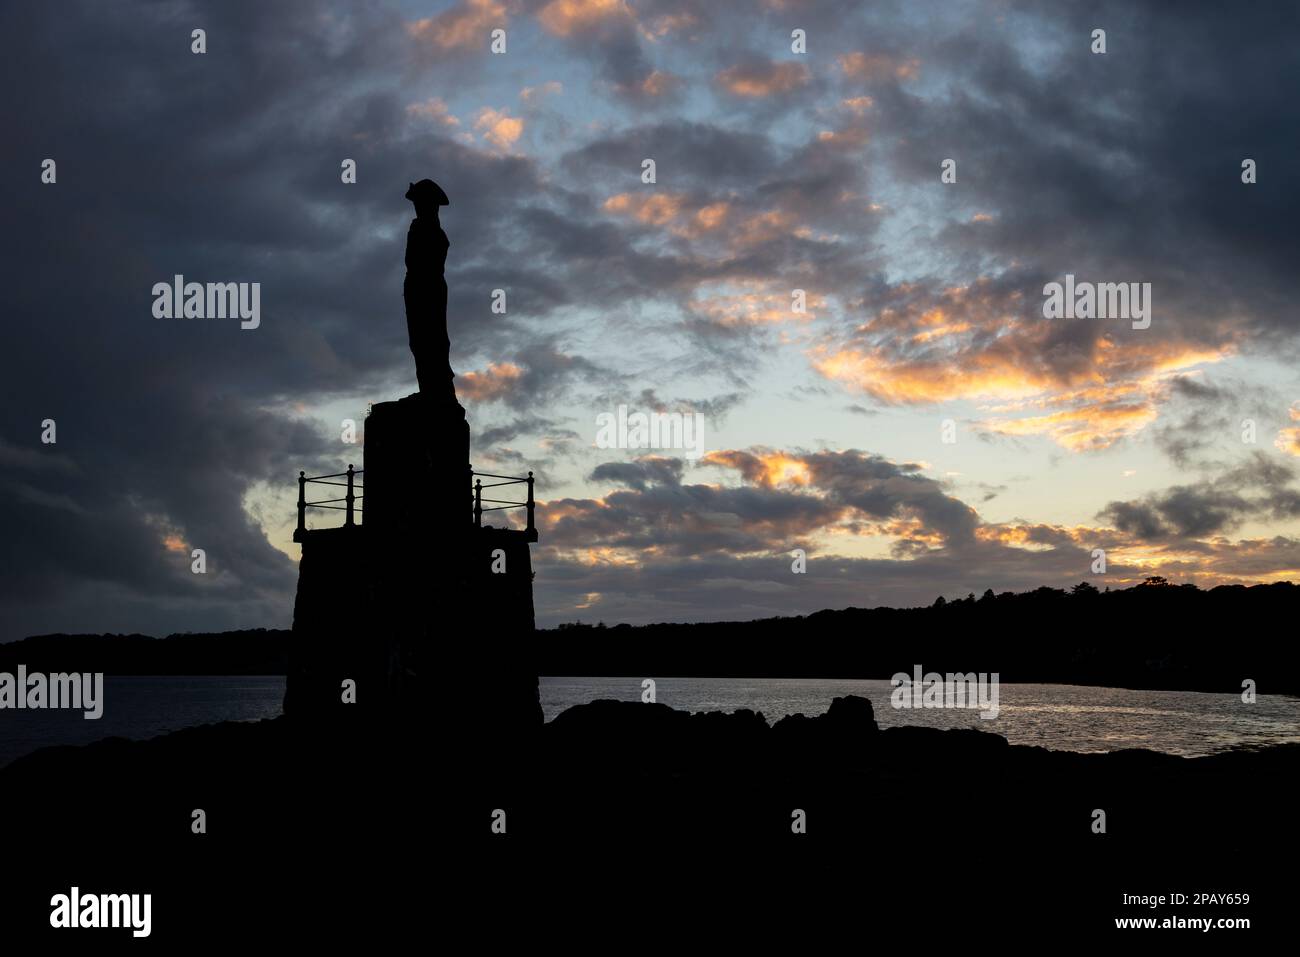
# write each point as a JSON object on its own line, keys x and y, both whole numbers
{"x": 623, "y": 777}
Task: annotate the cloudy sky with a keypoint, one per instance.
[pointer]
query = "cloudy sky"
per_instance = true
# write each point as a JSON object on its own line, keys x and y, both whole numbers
{"x": 1174, "y": 448}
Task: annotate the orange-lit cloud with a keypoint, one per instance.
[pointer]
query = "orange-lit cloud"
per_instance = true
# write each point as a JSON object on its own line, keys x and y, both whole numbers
{"x": 968, "y": 343}
{"x": 1288, "y": 439}
{"x": 550, "y": 88}
{"x": 671, "y": 210}
{"x": 434, "y": 109}
{"x": 1079, "y": 430}
{"x": 759, "y": 80}
{"x": 711, "y": 216}
{"x": 696, "y": 217}
{"x": 494, "y": 382}
{"x": 883, "y": 376}
{"x": 464, "y": 27}
{"x": 659, "y": 27}
{"x": 764, "y": 227}
{"x": 937, "y": 325}
{"x": 764, "y": 468}
{"x": 651, "y": 208}
{"x": 565, "y": 17}
{"x": 850, "y": 136}
{"x": 877, "y": 66}
{"x": 498, "y": 128}
{"x": 762, "y": 305}
{"x": 657, "y": 83}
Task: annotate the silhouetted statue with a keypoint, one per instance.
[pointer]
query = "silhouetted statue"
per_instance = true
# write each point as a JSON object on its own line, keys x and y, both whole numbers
{"x": 425, "y": 291}
{"x": 422, "y": 560}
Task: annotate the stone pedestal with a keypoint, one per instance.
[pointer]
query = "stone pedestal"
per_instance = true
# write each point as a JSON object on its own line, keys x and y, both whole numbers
{"x": 407, "y": 603}
{"x": 417, "y": 466}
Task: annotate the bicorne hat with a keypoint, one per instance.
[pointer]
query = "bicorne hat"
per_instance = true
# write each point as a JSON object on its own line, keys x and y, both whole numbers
{"x": 427, "y": 190}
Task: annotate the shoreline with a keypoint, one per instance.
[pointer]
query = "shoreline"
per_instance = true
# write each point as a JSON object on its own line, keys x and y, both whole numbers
{"x": 652, "y": 786}
{"x": 1064, "y": 739}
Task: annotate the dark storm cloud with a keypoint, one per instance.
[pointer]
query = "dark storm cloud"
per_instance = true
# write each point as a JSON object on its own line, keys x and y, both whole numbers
{"x": 658, "y": 511}
{"x": 1126, "y": 164}
{"x": 525, "y": 425}
{"x": 1259, "y": 488}
{"x": 528, "y": 379}
{"x": 1210, "y": 412}
{"x": 661, "y": 512}
{"x": 222, "y": 167}
{"x": 1196, "y": 389}
{"x": 775, "y": 197}
{"x": 725, "y": 553}
{"x": 715, "y": 409}
{"x": 878, "y": 488}
{"x": 640, "y": 474}
{"x": 681, "y": 150}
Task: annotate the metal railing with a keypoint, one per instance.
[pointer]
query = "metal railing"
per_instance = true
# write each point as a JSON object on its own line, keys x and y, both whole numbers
{"x": 349, "y": 498}
{"x": 499, "y": 504}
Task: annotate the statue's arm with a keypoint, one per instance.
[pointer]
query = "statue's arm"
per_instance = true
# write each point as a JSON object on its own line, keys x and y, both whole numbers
{"x": 413, "y": 244}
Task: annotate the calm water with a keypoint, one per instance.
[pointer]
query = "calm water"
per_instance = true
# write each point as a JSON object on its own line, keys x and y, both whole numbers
{"x": 1062, "y": 717}
{"x": 143, "y": 707}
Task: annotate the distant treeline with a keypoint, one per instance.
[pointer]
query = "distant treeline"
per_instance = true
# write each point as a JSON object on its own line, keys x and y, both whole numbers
{"x": 1152, "y": 636}
{"x": 257, "y": 651}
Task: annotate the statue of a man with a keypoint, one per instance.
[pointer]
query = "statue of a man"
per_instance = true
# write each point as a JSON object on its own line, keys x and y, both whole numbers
{"x": 425, "y": 291}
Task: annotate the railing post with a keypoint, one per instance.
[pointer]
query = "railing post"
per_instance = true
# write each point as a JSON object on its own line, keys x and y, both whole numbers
{"x": 531, "y": 526}
{"x": 302, "y": 501}
{"x": 349, "y": 519}
{"x": 478, "y": 503}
